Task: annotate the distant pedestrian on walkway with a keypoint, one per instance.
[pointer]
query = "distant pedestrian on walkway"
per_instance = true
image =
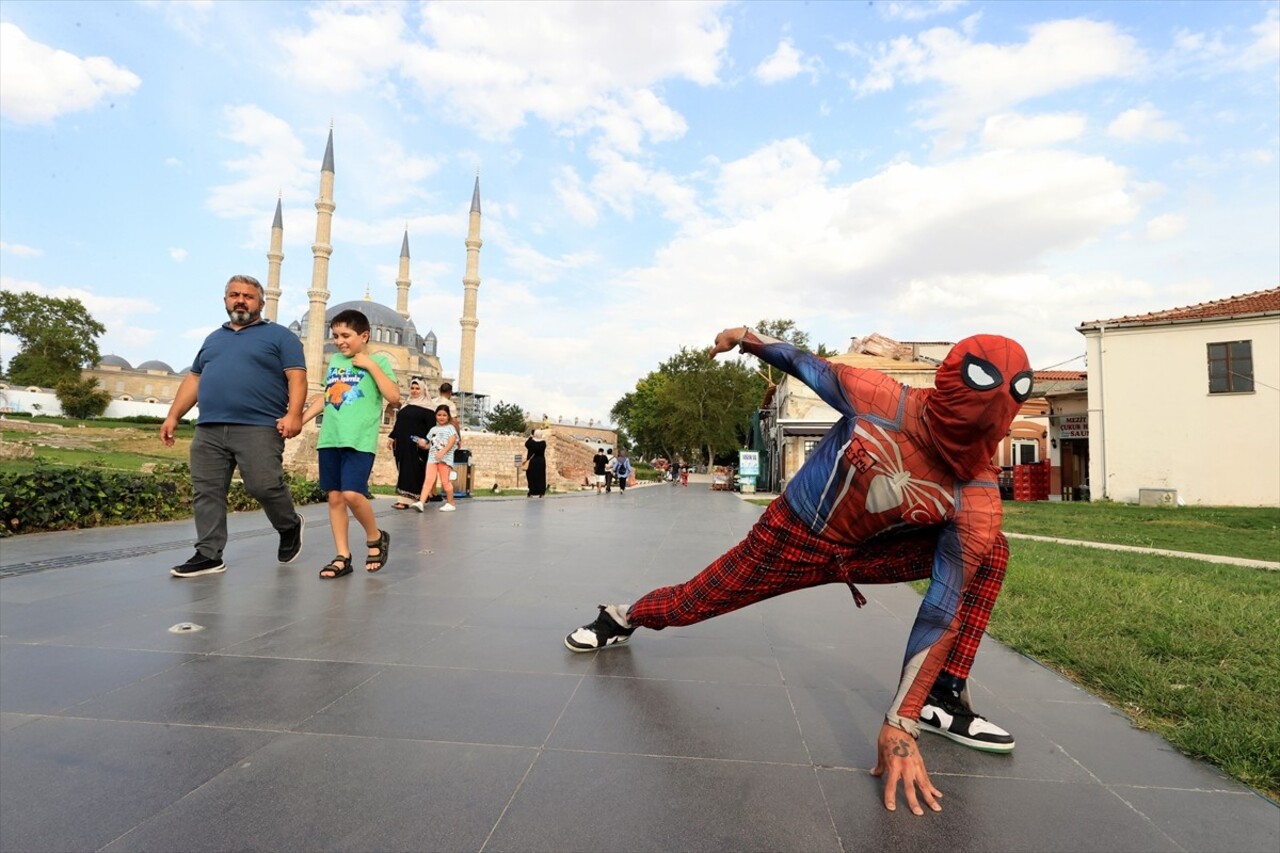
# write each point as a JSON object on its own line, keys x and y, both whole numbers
{"x": 901, "y": 488}
{"x": 622, "y": 469}
{"x": 357, "y": 387}
{"x": 439, "y": 443}
{"x": 598, "y": 462}
{"x": 610, "y": 463}
{"x": 535, "y": 447}
{"x": 250, "y": 381}
{"x": 414, "y": 420}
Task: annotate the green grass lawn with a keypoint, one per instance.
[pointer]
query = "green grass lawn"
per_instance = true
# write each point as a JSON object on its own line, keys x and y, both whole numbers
{"x": 1252, "y": 532}
{"x": 1187, "y": 648}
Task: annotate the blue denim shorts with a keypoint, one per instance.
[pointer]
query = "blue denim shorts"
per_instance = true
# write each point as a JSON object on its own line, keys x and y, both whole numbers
{"x": 343, "y": 469}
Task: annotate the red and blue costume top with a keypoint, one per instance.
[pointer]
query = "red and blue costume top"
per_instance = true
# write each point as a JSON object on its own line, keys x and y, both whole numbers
{"x": 902, "y": 457}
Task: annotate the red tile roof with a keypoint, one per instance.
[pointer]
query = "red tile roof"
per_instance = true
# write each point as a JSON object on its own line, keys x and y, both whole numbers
{"x": 1258, "y": 302}
{"x": 1061, "y": 375}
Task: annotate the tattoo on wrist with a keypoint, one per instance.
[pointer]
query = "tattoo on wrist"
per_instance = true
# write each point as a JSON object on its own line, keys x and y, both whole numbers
{"x": 902, "y": 748}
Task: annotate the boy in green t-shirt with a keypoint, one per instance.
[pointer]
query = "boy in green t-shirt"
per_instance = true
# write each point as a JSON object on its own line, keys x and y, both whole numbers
{"x": 356, "y": 388}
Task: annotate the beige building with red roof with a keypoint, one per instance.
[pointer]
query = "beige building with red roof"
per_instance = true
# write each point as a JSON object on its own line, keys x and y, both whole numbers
{"x": 1184, "y": 404}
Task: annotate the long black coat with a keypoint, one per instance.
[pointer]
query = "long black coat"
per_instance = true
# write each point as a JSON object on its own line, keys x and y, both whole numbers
{"x": 536, "y": 453}
{"x": 411, "y": 462}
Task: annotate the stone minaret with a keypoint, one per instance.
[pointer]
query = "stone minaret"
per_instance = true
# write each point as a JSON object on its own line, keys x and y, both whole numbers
{"x": 402, "y": 278}
{"x": 319, "y": 292}
{"x": 471, "y": 285}
{"x": 274, "y": 256}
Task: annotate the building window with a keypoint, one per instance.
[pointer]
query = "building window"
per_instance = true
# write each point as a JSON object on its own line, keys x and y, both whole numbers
{"x": 1230, "y": 367}
{"x": 809, "y": 445}
{"x": 398, "y": 333}
{"x": 1025, "y": 451}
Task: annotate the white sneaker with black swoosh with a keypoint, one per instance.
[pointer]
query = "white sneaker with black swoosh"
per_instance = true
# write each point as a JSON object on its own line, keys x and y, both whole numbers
{"x": 949, "y": 717}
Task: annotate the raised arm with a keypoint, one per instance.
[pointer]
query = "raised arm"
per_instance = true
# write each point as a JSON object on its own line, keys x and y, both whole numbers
{"x": 826, "y": 379}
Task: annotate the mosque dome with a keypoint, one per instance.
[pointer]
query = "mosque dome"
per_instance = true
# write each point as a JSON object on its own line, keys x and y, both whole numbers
{"x": 114, "y": 361}
{"x": 386, "y": 325}
{"x": 155, "y": 365}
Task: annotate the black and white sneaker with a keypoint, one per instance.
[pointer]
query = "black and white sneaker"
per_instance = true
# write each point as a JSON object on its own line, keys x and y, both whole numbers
{"x": 198, "y": 565}
{"x": 948, "y": 715}
{"x": 609, "y": 629}
{"x": 291, "y": 541}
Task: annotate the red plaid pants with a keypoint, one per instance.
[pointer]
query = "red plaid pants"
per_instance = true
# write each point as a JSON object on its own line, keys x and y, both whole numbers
{"x": 781, "y": 555}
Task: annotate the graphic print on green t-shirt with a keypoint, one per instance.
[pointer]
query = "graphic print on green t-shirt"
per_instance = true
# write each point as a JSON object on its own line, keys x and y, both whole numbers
{"x": 352, "y": 404}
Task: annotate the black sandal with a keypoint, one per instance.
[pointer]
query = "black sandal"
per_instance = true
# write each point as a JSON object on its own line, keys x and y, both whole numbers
{"x": 377, "y": 559}
{"x": 337, "y": 567}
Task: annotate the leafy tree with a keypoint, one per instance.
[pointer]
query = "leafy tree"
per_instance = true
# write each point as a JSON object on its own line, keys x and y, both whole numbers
{"x": 506, "y": 418}
{"x": 56, "y": 337}
{"x": 692, "y": 406}
{"x": 82, "y": 398}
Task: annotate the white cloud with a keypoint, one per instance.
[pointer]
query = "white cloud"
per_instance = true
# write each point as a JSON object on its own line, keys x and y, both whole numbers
{"x": 918, "y": 10}
{"x": 573, "y": 198}
{"x": 172, "y": 162}
{"x": 276, "y": 163}
{"x": 784, "y": 63}
{"x": 572, "y": 65}
{"x": 978, "y": 79}
{"x": 1166, "y": 226}
{"x": 1010, "y": 130}
{"x": 1223, "y": 52}
{"x": 348, "y": 47}
{"x": 178, "y": 255}
{"x": 1264, "y": 50}
{"x": 38, "y": 83}
{"x": 21, "y": 251}
{"x": 1144, "y": 124}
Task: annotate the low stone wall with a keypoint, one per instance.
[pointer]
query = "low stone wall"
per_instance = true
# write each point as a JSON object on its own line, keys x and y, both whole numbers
{"x": 492, "y": 460}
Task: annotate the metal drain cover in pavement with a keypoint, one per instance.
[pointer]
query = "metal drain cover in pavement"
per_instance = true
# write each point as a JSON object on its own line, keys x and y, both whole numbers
{"x": 186, "y": 628}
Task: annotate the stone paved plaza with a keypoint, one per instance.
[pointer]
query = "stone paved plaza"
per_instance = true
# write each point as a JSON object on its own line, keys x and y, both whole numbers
{"x": 433, "y": 706}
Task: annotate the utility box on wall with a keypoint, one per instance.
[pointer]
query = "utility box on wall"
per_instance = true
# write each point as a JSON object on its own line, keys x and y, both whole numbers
{"x": 1157, "y": 497}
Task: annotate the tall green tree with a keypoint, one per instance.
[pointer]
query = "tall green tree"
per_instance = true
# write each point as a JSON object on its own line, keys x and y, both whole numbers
{"x": 506, "y": 418}
{"x": 56, "y": 337}
{"x": 690, "y": 406}
{"x": 82, "y": 398}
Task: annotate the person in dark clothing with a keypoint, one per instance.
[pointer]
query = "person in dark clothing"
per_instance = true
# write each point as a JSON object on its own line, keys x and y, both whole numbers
{"x": 414, "y": 420}
{"x": 536, "y": 474}
{"x": 599, "y": 461}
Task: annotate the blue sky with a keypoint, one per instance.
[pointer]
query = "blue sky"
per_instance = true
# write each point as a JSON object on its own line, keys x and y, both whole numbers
{"x": 650, "y": 173}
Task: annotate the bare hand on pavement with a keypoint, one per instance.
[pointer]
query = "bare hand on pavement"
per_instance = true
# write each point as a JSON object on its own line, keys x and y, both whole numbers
{"x": 900, "y": 756}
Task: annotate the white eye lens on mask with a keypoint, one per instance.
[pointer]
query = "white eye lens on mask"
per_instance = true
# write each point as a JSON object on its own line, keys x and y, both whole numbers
{"x": 978, "y": 377}
{"x": 1022, "y": 386}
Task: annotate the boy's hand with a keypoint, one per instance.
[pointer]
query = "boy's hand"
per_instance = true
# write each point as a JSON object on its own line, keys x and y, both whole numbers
{"x": 900, "y": 755}
{"x": 727, "y": 340}
{"x": 362, "y": 360}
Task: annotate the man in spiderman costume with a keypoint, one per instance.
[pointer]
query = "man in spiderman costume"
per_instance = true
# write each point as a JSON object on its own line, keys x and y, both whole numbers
{"x": 901, "y": 488}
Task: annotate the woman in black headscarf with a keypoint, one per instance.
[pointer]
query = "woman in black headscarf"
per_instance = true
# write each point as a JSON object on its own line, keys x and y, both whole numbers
{"x": 536, "y": 455}
{"x": 413, "y": 420}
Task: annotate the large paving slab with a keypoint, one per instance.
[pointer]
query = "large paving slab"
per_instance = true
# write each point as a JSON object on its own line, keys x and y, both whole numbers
{"x": 432, "y": 706}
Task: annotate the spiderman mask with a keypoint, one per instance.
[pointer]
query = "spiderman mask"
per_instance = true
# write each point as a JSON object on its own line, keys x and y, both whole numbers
{"x": 979, "y": 388}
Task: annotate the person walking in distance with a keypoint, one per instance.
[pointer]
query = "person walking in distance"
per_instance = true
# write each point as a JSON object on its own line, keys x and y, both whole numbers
{"x": 413, "y": 421}
{"x": 357, "y": 387}
{"x": 598, "y": 463}
{"x": 622, "y": 469}
{"x": 901, "y": 488}
{"x": 250, "y": 381}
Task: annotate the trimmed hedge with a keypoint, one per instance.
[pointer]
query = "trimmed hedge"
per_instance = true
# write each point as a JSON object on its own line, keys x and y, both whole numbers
{"x": 53, "y": 497}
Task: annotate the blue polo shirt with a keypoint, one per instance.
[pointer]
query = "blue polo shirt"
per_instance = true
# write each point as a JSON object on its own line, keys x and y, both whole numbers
{"x": 241, "y": 373}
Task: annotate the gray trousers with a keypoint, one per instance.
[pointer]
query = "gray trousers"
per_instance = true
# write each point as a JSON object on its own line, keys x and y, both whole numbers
{"x": 216, "y": 451}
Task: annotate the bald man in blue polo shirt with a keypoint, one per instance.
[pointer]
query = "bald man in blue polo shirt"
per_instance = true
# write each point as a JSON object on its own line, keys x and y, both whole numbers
{"x": 250, "y": 379}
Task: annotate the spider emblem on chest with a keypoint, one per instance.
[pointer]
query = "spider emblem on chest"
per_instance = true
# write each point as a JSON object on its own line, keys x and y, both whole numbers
{"x": 888, "y": 482}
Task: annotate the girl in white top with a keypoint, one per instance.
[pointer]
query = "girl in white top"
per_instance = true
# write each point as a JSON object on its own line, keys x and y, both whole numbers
{"x": 439, "y": 444}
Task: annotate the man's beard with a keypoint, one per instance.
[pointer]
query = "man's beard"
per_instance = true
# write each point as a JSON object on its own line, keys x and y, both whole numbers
{"x": 242, "y": 318}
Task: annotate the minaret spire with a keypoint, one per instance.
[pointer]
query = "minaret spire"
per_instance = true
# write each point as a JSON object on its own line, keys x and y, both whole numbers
{"x": 471, "y": 287}
{"x": 275, "y": 255}
{"x": 402, "y": 279}
{"x": 318, "y": 295}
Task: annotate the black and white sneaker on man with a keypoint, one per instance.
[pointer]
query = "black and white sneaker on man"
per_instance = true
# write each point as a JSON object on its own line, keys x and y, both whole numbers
{"x": 198, "y": 565}
{"x": 291, "y": 541}
{"x": 609, "y": 629}
{"x": 947, "y": 715}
